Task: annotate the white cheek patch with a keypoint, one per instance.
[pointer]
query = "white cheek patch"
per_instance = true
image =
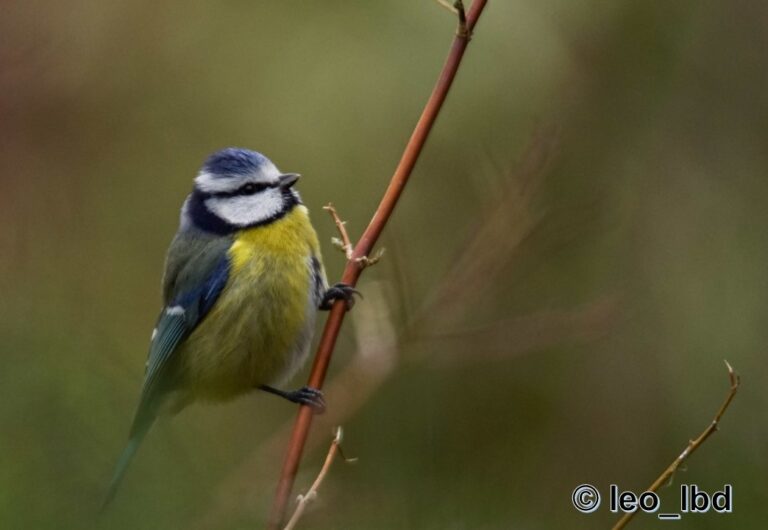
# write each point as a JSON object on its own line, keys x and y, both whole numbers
{"x": 244, "y": 210}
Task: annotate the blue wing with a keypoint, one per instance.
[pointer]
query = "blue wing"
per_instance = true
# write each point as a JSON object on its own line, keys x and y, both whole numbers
{"x": 178, "y": 319}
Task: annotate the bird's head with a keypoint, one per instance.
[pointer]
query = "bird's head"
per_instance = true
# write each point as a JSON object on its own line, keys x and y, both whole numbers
{"x": 236, "y": 189}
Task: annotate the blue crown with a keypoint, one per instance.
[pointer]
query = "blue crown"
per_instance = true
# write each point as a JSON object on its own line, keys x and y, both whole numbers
{"x": 234, "y": 161}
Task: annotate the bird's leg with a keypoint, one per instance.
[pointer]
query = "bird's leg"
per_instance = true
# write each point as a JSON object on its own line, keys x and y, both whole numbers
{"x": 311, "y": 397}
{"x": 339, "y": 291}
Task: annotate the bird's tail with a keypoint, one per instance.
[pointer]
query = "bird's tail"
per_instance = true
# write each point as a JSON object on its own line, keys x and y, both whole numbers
{"x": 125, "y": 459}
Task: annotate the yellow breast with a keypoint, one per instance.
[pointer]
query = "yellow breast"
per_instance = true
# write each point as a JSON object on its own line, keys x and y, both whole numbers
{"x": 264, "y": 317}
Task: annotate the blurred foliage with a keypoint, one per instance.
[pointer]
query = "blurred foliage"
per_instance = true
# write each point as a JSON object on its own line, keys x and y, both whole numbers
{"x": 654, "y": 196}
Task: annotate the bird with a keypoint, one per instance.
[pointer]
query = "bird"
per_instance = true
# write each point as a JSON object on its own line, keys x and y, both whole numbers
{"x": 243, "y": 282}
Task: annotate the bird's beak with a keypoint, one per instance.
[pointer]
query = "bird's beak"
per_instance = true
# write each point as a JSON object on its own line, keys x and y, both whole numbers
{"x": 288, "y": 180}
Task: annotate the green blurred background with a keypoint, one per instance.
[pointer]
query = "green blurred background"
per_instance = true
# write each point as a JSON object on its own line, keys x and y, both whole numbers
{"x": 585, "y": 344}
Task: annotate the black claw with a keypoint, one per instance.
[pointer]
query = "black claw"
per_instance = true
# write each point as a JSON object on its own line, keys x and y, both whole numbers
{"x": 309, "y": 396}
{"x": 306, "y": 395}
{"x": 339, "y": 291}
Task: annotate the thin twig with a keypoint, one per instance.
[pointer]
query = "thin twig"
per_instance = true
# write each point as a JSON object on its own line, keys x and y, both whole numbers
{"x": 304, "y": 500}
{"x": 363, "y": 248}
{"x": 449, "y": 6}
{"x": 692, "y": 446}
{"x": 464, "y": 30}
{"x": 344, "y": 244}
{"x": 457, "y": 8}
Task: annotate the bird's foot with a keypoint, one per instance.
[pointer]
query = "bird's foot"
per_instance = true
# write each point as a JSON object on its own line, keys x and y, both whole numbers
{"x": 339, "y": 291}
{"x": 306, "y": 395}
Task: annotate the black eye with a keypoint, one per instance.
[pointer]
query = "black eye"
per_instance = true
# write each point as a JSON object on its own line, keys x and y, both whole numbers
{"x": 250, "y": 188}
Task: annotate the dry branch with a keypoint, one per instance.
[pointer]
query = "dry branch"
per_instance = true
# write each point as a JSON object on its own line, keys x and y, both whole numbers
{"x": 692, "y": 446}
{"x": 363, "y": 248}
{"x": 344, "y": 244}
{"x": 311, "y": 495}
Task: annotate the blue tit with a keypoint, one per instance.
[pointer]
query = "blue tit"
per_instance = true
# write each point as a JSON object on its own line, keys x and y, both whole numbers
{"x": 243, "y": 282}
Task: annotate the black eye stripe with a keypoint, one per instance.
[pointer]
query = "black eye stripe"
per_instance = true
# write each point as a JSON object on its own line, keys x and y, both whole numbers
{"x": 249, "y": 188}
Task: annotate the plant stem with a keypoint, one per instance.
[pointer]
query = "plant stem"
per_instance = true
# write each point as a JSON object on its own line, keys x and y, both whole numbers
{"x": 362, "y": 249}
{"x": 666, "y": 475}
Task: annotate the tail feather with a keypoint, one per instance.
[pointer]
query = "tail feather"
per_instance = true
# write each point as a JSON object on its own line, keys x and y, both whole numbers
{"x": 122, "y": 464}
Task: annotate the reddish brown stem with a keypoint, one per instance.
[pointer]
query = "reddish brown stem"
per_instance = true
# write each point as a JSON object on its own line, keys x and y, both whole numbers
{"x": 363, "y": 248}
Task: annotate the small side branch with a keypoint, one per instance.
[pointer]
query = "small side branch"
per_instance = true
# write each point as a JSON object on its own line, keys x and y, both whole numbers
{"x": 345, "y": 244}
{"x": 692, "y": 446}
{"x": 457, "y": 8}
{"x": 304, "y": 500}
